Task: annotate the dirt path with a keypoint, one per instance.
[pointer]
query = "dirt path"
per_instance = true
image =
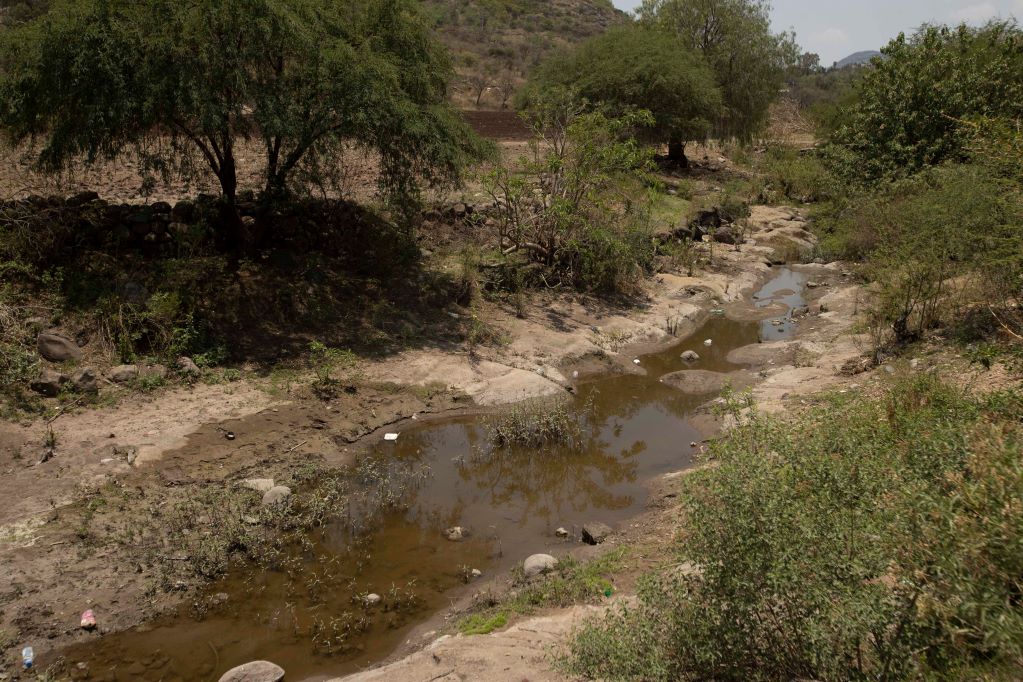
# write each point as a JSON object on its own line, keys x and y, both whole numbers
{"x": 176, "y": 439}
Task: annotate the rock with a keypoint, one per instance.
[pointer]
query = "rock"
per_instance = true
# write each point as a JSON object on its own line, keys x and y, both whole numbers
{"x": 539, "y": 564}
{"x": 85, "y": 381}
{"x": 257, "y": 671}
{"x": 812, "y": 285}
{"x": 49, "y": 383}
{"x": 691, "y": 356}
{"x": 57, "y": 348}
{"x": 128, "y": 452}
{"x": 82, "y": 198}
{"x": 728, "y": 235}
{"x": 123, "y": 373}
{"x": 914, "y": 363}
{"x": 801, "y": 311}
{"x": 561, "y": 533}
{"x": 276, "y": 495}
{"x": 456, "y": 534}
{"x": 260, "y": 485}
{"x": 160, "y": 208}
{"x": 184, "y": 211}
{"x": 460, "y": 210}
{"x": 187, "y": 367}
{"x": 372, "y": 599}
{"x": 701, "y": 382}
{"x": 154, "y": 371}
{"x": 134, "y": 293}
{"x": 596, "y": 533}
{"x": 476, "y": 573}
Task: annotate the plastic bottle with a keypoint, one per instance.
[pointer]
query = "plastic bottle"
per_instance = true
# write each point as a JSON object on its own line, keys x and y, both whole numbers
{"x": 27, "y": 657}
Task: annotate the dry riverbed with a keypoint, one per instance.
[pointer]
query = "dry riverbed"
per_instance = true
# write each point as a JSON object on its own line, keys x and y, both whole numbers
{"x": 73, "y": 530}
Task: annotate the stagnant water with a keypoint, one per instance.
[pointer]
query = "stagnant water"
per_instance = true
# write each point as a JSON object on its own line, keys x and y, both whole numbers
{"x": 311, "y": 620}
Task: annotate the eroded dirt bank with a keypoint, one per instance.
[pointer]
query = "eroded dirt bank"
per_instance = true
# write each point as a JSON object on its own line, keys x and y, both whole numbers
{"x": 60, "y": 565}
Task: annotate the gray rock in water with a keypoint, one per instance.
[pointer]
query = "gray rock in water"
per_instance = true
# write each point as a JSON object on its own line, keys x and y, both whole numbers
{"x": 276, "y": 495}
{"x": 260, "y": 485}
{"x": 49, "y": 383}
{"x": 561, "y": 533}
{"x": 187, "y": 367}
{"x": 456, "y": 534}
{"x": 256, "y": 671}
{"x": 690, "y": 356}
{"x": 85, "y": 381}
{"x": 57, "y": 348}
{"x": 595, "y": 533}
{"x": 539, "y": 564}
{"x": 122, "y": 374}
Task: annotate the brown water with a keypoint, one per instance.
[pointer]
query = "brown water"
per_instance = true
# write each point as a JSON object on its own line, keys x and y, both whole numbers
{"x": 310, "y": 617}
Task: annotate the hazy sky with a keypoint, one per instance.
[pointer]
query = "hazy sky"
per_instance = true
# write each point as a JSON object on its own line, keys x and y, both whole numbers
{"x": 837, "y": 28}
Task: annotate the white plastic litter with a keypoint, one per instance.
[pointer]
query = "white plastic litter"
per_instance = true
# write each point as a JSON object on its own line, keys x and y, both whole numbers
{"x": 635, "y": 362}
{"x": 391, "y": 437}
{"x": 708, "y": 342}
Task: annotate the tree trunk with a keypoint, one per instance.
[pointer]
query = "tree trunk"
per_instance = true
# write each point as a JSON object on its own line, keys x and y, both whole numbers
{"x": 233, "y": 232}
{"x": 677, "y": 153}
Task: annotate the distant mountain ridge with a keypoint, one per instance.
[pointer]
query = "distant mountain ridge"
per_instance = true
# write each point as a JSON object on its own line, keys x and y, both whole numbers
{"x": 857, "y": 58}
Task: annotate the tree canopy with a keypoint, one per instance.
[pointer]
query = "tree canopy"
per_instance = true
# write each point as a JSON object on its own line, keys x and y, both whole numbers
{"x": 182, "y": 80}
{"x": 735, "y": 37}
{"x": 910, "y": 108}
{"x": 638, "y": 68}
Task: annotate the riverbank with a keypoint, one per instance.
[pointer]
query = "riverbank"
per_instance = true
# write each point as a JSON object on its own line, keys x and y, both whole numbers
{"x": 176, "y": 440}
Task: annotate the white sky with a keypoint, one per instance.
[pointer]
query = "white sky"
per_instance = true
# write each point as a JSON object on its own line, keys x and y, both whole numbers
{"x": 837, "y": 28}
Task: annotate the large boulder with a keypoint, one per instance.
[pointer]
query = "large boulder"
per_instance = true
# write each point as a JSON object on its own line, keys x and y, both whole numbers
{"x": 595, "y": 533}
{"x": 256, "y": 671}
{"x": 57, "y": 348}
{"x": 49, "y": 383}
{"x": 539, "y": 564}
{"x": 85, "y": 381}
{"x": 122, "y": 374}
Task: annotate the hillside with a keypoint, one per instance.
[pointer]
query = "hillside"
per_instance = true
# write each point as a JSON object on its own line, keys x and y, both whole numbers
{"x": 495, "y": 42}
{"x": 857, "y": 59}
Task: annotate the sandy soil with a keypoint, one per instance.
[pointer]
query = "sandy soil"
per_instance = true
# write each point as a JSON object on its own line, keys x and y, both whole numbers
{"x": 178, "y": 437}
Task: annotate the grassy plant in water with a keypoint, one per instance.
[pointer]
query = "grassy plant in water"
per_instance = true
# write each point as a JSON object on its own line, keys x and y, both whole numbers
{"x": 536, "y": 423}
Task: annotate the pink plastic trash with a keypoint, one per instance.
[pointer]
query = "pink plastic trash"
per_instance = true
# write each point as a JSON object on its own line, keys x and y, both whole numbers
{"x": 88, "y": 620}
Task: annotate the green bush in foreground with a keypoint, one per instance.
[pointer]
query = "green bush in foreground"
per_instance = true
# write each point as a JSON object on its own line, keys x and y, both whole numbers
{"x": 871, "y": 539}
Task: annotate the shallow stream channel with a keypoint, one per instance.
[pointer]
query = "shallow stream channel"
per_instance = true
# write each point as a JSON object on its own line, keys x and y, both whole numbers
{"x": 313, "y": 616}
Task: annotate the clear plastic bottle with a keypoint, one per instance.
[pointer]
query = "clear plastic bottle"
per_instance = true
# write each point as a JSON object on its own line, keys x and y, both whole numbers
{"x": 27, "y": 657}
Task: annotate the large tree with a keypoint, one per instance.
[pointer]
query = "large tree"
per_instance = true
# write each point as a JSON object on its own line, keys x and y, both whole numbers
{"x": 639, "y": 68}
{"x": 181, "y": 81}
{"x": 911, "y": 108}
{"x": 735, "y": 37}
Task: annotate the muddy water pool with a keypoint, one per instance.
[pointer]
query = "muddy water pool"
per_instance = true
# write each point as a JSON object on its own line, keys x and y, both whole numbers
{"x": 311, "y": 616}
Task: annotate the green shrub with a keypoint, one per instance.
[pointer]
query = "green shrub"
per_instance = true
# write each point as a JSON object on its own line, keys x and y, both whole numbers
{"x": 569, "y": 208}
{"x": 789, "y": 175}
{"x": 935, "y": 246}
{"x": 868, "y": 539}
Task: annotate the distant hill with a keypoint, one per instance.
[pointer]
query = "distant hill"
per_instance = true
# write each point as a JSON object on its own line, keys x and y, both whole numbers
{"x": 495, "y": 43}
{"x": 857, "y": 59}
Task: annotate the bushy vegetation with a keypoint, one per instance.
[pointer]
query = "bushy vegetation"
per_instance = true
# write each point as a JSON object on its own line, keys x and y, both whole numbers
{"x": 911, "y": 107}
{"x": 748, "y": 60}
{"x": 638, "y": 68}
{"x": 566, "y": 206}
{"x": 868, "y": 539}
{"x": 161, "y": 79}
